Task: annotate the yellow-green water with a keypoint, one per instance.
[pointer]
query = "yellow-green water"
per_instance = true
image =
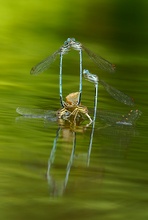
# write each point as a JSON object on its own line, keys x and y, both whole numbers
{"x": 114, "y": 186}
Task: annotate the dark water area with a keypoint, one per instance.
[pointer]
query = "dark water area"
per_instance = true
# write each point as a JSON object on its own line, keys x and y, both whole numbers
{"x": 50, "y": 172}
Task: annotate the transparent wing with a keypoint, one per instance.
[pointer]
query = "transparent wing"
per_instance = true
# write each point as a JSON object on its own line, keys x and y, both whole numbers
{"x": 101, "y": 62}
{"x": 115, "y": 118}
{"x": 118, "y": 95}
{"x": 36, "y": 113}
{"x": 130, "y": 118}
{"x": 44, "y": 64}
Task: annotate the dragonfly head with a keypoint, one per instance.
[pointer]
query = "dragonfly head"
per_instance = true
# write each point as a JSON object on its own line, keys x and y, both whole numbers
{"x": 71, "y": 42}
{"x": 90, "y": 77}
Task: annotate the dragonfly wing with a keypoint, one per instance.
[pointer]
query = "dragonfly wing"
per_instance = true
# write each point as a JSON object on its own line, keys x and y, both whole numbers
{"x": 113, "y": 118}
{"x": 36, "y": 113}
{"x": 108, "y": 117}
{"x": 130, "y": 118}
{"x": 118, "y": 95}
{"x": 44, "y": 64}
{"x": 101, "y": 62}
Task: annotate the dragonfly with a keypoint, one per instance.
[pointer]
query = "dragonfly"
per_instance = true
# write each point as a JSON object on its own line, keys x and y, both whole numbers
{"x": 65, "y": 48}
{"x": 72, "y": 112}
{"x": 115, "y": 93}
{"x": 93, "y": 79}
{"x": 73, "y": 108}
{"x": 110, "y": 118}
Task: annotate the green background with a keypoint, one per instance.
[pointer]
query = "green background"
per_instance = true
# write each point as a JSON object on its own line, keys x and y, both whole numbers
{"x": 114, "y": 186}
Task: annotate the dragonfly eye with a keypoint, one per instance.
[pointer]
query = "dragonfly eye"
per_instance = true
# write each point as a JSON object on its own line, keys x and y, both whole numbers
{"x": 67, "y": 41}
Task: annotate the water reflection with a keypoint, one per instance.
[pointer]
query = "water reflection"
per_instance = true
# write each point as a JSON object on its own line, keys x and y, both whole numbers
{"x": 59, "y": 167}
{"x": 57, "y": 187}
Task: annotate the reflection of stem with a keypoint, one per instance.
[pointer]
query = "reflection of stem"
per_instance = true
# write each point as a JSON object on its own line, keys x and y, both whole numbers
{"x": 71, "y": 160}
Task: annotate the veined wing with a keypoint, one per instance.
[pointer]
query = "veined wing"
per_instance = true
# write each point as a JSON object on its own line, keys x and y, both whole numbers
{"x": 44, "y": 64}
{"x": 101, "y": 62}
{"x": 118, "y": 95}
{"x": 36, "y": 113}
{"x": 130, "y": 118}
{"x": 115, "y": 118}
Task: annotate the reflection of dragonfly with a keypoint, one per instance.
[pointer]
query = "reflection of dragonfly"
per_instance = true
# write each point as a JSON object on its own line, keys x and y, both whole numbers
{"x": 58, "y": 189}
{"x": 68, "y": 44}
{"x": 58, "y": 185}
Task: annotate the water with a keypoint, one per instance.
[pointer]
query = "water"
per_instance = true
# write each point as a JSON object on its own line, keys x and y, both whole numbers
{"x": 110, "y": 180}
